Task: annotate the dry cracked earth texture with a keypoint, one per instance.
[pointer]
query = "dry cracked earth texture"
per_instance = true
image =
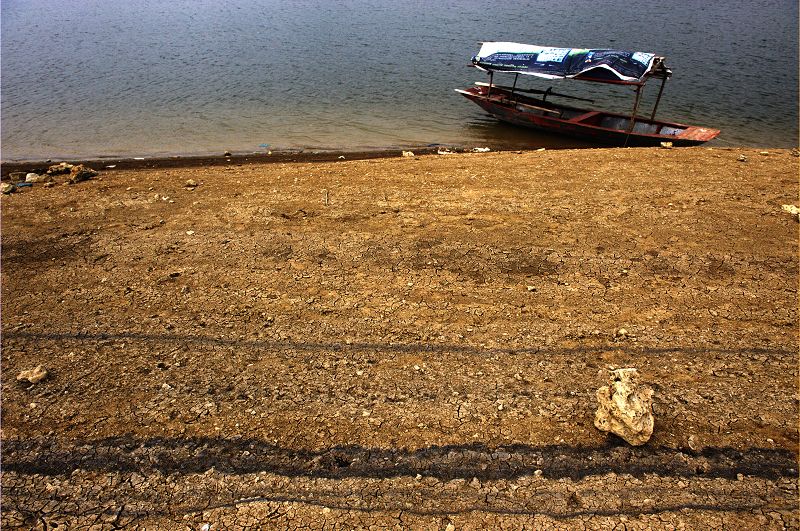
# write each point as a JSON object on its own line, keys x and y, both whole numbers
{"x": 410, "y": 343}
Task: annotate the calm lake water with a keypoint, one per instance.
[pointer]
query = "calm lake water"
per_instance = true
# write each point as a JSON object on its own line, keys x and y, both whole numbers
{"x": 86, "y": 78}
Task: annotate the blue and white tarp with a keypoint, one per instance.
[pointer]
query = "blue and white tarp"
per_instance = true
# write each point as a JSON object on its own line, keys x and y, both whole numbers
{"x": 555, "y": 63}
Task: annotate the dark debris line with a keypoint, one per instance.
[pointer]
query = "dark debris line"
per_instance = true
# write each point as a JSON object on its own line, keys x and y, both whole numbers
{"x": 244, "y": 456}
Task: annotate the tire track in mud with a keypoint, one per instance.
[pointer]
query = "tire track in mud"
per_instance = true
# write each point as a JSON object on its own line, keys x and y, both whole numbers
{"x": 300, "y": 346}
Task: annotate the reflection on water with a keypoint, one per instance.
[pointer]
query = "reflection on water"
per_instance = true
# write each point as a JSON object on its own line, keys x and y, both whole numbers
{"x": 91, "y": 78}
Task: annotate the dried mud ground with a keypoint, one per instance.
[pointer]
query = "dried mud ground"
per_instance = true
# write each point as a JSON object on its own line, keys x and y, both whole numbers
{"x": 410, "y": 343}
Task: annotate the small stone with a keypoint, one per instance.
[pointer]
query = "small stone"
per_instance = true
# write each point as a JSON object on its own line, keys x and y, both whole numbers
{"x": 189, "y": 232}
{"x": 450, "y": 527}
{"x": 742, "y": 158}
{"x": 666, "y": 145}
{"x": 191, "y": 183}
{"x": 408, "y": 153}
{"x": 227, "y": 154}
{"x": 33, "y": 376}
{"x": 625, "y": 408}
{"x": 622, "y": 333}
{"x": 7, "y": 188}
{"x": 693, "y": 443}
{"x": 80, "y": 173}
{"x": 35, "y": 178}
{"x": 739, "y": 477}
{"x": 326, "y": 510}
{"x": 61, "y": 167}
{"x": 531, "y": 288}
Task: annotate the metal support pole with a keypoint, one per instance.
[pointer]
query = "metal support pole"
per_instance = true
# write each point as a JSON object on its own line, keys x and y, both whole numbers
{"x": 516, "y": 77}
{"x": 658, "y": 99}
{"x": 491, "y": 80}
{"x": 633, "y": 116}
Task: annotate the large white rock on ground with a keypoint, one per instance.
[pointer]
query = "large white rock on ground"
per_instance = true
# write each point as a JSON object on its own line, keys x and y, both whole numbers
{"x": 625, "y": 408}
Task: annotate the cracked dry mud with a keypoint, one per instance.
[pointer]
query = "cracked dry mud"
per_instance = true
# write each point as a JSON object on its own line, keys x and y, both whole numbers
{"x": 407, "y": 343}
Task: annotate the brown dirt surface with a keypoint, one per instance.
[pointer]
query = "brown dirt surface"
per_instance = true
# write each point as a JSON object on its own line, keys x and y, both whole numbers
{"x": 410, "y": 343}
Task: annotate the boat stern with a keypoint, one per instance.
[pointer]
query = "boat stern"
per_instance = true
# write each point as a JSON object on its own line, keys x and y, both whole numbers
{"x": 698, "y": 134}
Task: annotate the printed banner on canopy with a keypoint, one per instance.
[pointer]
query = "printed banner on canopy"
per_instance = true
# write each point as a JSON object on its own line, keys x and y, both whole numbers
{"x": 552, "y": 63}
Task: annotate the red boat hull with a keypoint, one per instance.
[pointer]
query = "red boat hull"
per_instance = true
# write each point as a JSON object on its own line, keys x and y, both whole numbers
{"x": 584, "y": 123}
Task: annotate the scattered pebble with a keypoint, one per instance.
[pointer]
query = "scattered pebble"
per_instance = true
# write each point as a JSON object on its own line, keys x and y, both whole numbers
{"x": 742, "y": 158}
{"x": 408, "y": 153}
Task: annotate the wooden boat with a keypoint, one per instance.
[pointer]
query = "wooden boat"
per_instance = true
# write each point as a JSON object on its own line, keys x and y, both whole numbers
{"x": 517, "y": 106}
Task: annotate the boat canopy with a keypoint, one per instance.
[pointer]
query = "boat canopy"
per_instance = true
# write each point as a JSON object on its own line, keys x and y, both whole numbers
{"x": 605, "y": 66}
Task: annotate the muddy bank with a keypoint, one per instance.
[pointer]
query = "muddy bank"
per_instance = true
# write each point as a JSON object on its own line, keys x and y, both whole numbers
{"x": 413, "y": 341}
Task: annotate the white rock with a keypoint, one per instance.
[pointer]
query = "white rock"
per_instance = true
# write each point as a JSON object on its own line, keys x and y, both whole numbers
{"x": 791, "y": 209}
{"x": 408, "y": 153}
{"x": 625, "y": 408}
{"x": 33, "y": 376}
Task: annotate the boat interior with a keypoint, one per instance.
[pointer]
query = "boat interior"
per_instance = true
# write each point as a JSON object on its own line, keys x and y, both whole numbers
{"x": 526, "y": 104}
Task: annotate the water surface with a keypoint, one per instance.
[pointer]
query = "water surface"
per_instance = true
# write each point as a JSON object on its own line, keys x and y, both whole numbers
{"x": 86, "y": 78}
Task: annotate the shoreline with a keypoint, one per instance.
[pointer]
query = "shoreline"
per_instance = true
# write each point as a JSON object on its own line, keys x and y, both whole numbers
{"x": 192, "y": 161}
{"x": 288, "y": 156}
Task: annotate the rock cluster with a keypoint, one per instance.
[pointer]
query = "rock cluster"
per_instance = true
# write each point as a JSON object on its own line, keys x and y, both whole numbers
{"x": 625, "y": 408}
{"x": 20, "y": 179}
